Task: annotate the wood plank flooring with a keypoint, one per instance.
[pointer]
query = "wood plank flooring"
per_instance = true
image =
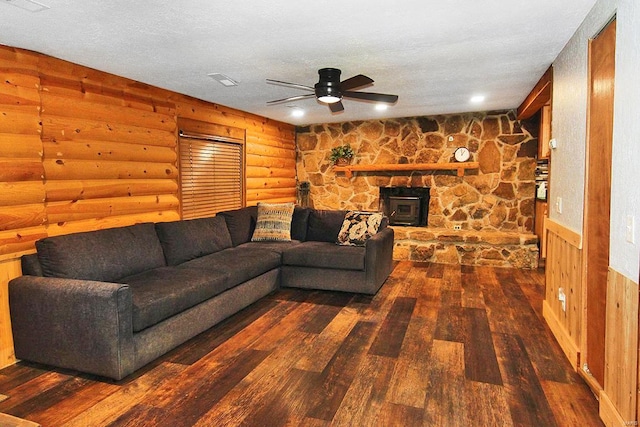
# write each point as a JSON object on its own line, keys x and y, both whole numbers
{"x": 439, "y": 345}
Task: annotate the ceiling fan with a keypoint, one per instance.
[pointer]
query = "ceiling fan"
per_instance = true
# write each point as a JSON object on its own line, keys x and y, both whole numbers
{"x": 330, "y": 90}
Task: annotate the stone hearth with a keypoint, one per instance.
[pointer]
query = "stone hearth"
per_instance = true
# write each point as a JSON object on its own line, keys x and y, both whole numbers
{"x": 467, "y": 247}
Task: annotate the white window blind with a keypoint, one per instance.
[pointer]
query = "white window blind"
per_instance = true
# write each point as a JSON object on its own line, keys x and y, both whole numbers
{"x": 211, "y": 175}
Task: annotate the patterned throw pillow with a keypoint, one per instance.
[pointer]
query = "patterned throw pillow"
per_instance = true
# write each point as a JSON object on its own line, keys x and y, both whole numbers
{"x": 274, "y": 222}
{"x": 358, "y": 227}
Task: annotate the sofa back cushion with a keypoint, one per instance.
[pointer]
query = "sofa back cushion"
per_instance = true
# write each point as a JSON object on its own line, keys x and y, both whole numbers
{"x": 324, "y": 225}
{"x": 300, "y": 223}
{"x": 242, "y": 222}
{"x": 102, "y": 255}
{"x": 188, "y": 239}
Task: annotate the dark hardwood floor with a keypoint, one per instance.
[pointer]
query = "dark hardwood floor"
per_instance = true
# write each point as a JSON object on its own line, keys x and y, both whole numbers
{"x": 439, "y": 345}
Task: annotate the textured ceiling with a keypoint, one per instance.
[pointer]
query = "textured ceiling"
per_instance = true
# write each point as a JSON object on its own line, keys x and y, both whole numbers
{"x": 434, "y": 55}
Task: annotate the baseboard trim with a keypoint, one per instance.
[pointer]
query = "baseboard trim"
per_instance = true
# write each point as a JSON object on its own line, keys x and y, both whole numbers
{"x": 567, "y": 344}
{"x": 610, "y": 415}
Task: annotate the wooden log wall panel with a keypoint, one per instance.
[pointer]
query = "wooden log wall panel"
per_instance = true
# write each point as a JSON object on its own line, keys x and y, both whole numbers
{"x": 8, "y": 270}
{"x": 62, "y": 228}
{"x": 564, "y": 270}
{"x": 114, "y": 151}
{"x": 15, "y": 242}
{"x": 104, "y": 95}
{"x": 81, "y": 149}
{"x": 79, "y": 169}
{"x": 270, "y": 172}
{"x": 284, "y": 194}
{"x": 20, "y": 146}
{"x": 19, "y": 119}
{"x": 93, "y": 189}
{"x": 205, "y": 128}
{"x": 270, "y": 183}
{"x": 56, "y": 128}
{"x": 69, "y": 107}
{"x": 21, "y": 193}
{"x": 288, "y": 163}
{"x": 621, "y": 346}
{"x": 100, "y": 208}
{"x": 13, "y": 170}
{"x": 18, "y": 88}
{"x": 22, "y": 216}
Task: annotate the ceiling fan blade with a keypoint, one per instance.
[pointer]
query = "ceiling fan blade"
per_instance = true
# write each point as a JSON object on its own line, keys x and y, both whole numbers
{"x": 294, "y": 85}
{"x": 355, "y": 82}
{"x": 336, "y": 107}
{"x": 292, "y": 98}
{"x": 370, "y": 96}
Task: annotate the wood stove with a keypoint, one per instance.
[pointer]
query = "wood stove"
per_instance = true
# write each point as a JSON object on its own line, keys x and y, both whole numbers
{"x": 405, "y": 205}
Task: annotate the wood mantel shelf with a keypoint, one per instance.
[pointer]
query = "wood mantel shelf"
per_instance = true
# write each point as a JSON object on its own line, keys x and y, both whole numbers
{"x": 460, "y": 167}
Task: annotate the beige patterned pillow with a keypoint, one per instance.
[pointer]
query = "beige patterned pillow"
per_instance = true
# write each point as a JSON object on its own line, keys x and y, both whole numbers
{"x": 274, "y": 222}
{"x": 357, "y": 227}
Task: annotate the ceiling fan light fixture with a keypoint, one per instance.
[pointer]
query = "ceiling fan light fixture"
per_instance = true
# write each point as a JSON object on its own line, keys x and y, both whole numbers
{"x": 329, "y": 99}
{"x": 327, "y": 92}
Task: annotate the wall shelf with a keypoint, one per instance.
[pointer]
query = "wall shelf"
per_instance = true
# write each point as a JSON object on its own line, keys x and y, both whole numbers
{"x": 459, "y": 167}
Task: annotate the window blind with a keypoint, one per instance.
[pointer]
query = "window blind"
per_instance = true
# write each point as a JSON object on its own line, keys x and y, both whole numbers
{"x": 211, "y": 176}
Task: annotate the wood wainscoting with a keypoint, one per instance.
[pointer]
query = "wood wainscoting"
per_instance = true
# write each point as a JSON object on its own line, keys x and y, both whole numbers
{"x": 564, "y": 271}
{"x": 618, "y": 400}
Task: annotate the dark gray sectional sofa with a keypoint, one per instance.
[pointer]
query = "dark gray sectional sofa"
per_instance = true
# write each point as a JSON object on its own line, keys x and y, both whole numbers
{"x": 108, "y": 302}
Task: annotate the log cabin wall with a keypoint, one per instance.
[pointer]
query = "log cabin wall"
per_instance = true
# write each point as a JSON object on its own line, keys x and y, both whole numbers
{"x": 82, "y": 149}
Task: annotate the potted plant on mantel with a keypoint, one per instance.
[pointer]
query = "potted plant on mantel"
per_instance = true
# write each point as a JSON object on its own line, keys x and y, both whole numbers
{"x": 341, "y": 155}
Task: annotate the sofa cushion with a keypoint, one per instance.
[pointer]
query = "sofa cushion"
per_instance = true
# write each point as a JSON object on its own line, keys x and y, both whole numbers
{"x": 240, "y": 263}
{"x": 278, "y": 247}
{"x": 325, "y": 255}
{"x": 358, "y": 227}
{"x": 299, "y": 223}
{"x": 241, "y": 223}
{"x": 273, "y": 223}
{"x": 164, "y": 292}
{"x": 324, "y": 225}
{"x": 102, "y": 255}
{"x": 189, "y": 239}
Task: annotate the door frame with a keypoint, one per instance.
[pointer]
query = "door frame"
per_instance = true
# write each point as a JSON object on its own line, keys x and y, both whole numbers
{"x": 587, "y": 244}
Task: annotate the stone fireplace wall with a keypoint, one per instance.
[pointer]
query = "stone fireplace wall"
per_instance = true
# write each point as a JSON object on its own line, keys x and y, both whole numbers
{"x": 498, "y": 196}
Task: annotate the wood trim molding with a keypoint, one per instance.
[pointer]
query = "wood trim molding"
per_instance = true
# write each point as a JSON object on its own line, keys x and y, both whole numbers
{"x": 539, "y": 96}
{"x": 567, "y": 344}
{"x": 570, "y": 236}
{"x": 609, "y": 414}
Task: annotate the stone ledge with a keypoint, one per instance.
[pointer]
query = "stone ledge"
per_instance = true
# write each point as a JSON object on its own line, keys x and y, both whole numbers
{"x": 467, "y": 247}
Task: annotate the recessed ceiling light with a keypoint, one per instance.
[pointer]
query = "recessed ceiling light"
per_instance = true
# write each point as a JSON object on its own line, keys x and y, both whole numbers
{"x": 223, "y": 79}
{"x": 476, "y": 99}
{"x": 381, "y": 107}
{"x": 297, "y": 112}
{"x": 31, "y": 6}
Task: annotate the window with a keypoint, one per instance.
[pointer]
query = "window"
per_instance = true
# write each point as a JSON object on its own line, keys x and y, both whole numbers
{"x": 211, "y": 174}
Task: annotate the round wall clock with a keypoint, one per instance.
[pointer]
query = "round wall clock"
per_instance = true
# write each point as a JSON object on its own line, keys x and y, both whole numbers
{"x": 462, "y": 154}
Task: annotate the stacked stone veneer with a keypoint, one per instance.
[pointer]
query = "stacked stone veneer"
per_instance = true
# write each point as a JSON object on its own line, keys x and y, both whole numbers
{"x": 493, "y": 206}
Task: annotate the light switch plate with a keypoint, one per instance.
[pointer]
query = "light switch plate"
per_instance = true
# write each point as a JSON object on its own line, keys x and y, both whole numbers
{"x": 631, "y": 229}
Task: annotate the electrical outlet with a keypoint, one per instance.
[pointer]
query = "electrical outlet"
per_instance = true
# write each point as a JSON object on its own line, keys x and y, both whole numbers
{"x": 457, "y": 227}
{"x": 562, "y": 298}
{"x": 559, "y": 205}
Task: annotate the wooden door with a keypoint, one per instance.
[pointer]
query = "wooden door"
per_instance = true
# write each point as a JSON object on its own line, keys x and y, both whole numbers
{"x": 598, "y": 195}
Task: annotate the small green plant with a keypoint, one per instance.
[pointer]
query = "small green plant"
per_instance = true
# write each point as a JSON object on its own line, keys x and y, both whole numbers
{"x": 341, "y": 152}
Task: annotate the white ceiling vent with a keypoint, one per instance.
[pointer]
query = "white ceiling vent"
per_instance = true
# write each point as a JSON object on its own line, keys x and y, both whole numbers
{"x": 223, "y": 80}
{"x": 31, "y": 6}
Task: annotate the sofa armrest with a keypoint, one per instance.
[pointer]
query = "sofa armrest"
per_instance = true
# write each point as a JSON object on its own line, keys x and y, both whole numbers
{"x": 379, "y": 258}
{"x": 76, "y": 324}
